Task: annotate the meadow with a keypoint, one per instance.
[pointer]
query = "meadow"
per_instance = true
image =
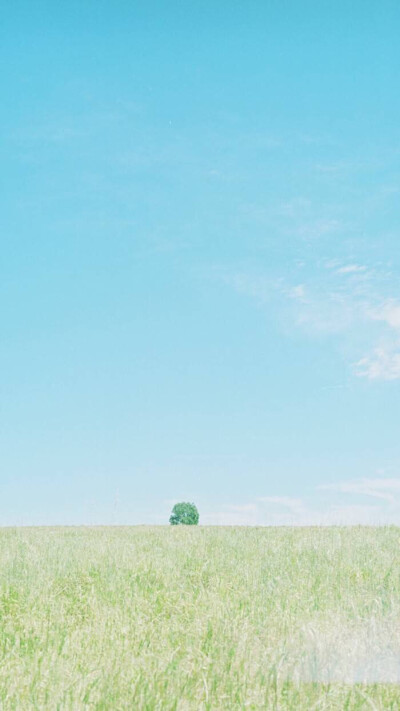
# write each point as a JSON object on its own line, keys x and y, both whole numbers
{"x": 177, "y": 618}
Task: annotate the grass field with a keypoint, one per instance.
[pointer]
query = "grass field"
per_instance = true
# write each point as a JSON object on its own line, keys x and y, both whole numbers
{"x": 200, "y": 618}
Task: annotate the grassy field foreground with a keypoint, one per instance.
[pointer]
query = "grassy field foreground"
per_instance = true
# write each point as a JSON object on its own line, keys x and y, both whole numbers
{"x": 199, "y": 618}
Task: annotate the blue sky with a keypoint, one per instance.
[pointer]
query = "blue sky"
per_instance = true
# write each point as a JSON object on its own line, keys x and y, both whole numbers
{"x": 200, "y": 292}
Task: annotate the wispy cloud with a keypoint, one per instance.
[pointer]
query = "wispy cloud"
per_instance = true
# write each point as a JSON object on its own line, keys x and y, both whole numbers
{"x": 378, "y": 488}
{"x": 346, "y": 299}
{"x": 351, "y": 269}
{"x": 294, "y": 505}
{"x": 260, "y": 287}
{"x": 352, "y": 301}
{"x": 382, "y": 364}
{"x": 327, "y": 505}
{"x": 298, "y": 293}
{"x": 389, "y": 312}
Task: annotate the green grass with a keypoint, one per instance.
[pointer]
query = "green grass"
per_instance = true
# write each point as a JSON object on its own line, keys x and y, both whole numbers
{"x": 199, "y": 618}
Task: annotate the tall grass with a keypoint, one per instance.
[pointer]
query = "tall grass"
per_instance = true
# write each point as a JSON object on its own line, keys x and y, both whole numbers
{"x": 199, "y": 618}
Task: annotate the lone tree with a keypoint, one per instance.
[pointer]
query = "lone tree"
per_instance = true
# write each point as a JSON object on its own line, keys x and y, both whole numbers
{"x": 184, "y": 514}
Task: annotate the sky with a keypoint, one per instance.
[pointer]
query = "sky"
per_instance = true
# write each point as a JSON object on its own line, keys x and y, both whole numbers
{"x": 200, "y": 263}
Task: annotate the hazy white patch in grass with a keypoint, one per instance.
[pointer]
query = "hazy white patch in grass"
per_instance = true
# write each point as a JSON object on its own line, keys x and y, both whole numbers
{"x": 339, "y": 652}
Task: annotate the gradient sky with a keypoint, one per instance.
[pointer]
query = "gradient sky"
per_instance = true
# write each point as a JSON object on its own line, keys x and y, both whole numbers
{"x": 200, "y": 263}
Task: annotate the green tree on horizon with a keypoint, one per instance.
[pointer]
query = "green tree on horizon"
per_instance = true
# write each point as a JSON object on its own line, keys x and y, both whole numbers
{"x": 185, "y": 514}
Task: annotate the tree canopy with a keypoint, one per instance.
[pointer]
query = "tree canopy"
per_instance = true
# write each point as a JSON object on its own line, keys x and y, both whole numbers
{"x": 184, "y": 514}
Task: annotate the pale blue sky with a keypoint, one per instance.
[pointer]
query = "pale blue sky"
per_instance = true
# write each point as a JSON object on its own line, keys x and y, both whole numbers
{"x": 200, "y": 270}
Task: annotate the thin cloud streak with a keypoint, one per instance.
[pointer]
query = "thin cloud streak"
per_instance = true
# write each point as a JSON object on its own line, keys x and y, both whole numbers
{"x": 382, "y": 364}
{"x": 316, "y": 511}
{"x": 377, "y": 488}
{"x": 345, "y": 300}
